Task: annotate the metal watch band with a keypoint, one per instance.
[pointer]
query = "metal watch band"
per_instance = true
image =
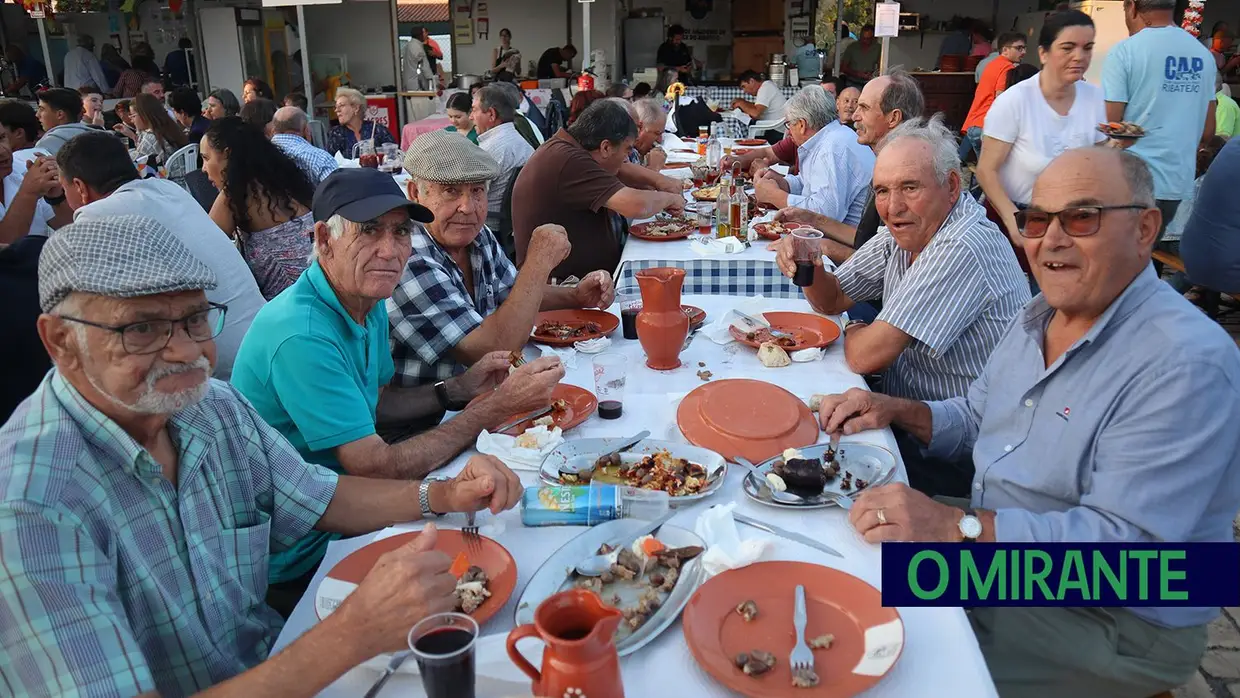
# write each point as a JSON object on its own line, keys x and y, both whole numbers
{"x": 424, "y": 498}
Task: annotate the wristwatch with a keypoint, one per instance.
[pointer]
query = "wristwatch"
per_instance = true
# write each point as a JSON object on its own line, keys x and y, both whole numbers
{"x": 854, "y": 323}
{"x": 424, "y": 496}
{"x": 441, "y": 392}
{"x": 970, "y": 527}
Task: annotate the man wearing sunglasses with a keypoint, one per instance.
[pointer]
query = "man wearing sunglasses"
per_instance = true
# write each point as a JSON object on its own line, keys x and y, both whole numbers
{"x": 140, "y": 500}
{"x": 1106, "y": 413}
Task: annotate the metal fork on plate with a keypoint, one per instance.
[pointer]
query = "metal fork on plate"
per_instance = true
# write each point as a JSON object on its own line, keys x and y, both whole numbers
{"x": 802, "y": 659}
{"x": 472, "y": 540}
{"x": 520, "y": 360}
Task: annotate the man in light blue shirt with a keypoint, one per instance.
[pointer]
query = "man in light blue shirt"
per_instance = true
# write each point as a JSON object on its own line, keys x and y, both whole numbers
{"x": 1106, "y": 413}
{"x": 835, "y": 170}
{"x": 1163, "y": 79}
{"x": 291, "y": 133}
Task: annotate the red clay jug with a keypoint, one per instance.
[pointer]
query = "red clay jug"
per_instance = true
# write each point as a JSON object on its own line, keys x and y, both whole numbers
{"x": 662, "y": 325}
{"x": 580, "y": 658}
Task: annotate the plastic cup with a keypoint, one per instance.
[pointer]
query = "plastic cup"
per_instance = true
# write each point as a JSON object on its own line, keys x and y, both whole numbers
{"x": 443, "y": 645}
{"x": 806, "y": 245}
{"x": 630, "y": 305}
{"x": 610, "y": 373}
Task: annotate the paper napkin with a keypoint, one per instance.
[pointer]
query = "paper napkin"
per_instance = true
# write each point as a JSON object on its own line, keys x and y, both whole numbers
{"x": 724, "y": 548}
{"x": 568, "y": 355}
{"x": 718, "y": 332}
{"x": 593, "y": 346}
{"x": 711, "y": 247}
{"x": 505, "y": 447}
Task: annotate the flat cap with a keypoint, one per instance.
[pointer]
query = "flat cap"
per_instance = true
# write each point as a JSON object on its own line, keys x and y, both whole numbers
{"x": 120, "y": 257}
{"x": 449, "y": 158}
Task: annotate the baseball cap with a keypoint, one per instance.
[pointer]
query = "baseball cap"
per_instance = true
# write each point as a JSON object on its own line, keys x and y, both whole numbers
{"x": 363, "y": 194}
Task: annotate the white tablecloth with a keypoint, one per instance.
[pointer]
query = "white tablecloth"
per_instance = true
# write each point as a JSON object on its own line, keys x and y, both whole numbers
{"x": 940, "y": 657}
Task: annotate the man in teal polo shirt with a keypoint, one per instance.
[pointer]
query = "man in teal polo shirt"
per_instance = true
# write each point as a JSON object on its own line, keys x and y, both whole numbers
{"x": 316, "y": 362}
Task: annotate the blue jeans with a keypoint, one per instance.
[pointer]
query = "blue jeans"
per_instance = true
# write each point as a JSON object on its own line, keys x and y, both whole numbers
{"x": 970, "y": 142}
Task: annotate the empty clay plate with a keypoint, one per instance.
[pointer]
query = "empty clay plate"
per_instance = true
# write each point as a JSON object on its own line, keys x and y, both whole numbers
{"x": 868, "y": 638}
{"x": 808, "y": 330}
{"x": 491, "y": 557}
{"x": 744, "y": 417}
{"x": 581, "y": 404}
{"x": 696, "y": 315}
{"x": 606, "y": 322}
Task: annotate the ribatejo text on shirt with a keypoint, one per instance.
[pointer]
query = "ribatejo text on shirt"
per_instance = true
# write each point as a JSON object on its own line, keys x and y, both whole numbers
{"x": 1061, "y": 574}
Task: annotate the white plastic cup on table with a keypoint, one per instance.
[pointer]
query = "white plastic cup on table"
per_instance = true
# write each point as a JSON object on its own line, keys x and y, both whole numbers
{"x": 630, "y": 305}
{"x": 610, "y": 373}
{"x": 806, "y": 245}
{"x": 443, "y": 645}
{"x": 705, "y": 218}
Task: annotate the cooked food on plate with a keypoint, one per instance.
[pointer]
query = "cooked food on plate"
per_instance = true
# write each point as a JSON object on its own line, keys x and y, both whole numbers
{"x": 665, "y": 228}
{"x": 804, "y": 678}
{"x": 471, "y": 585}
{"x": 1122, "y": 129}
{"x": 565, "y": 330}
{"x": 658, "y": 471}
{"x": 707, "y": 193}
{"x": 764, "y": 335}
{"x": 821, "y": 642}
{"x": 747, "y": 610}
{"x": 646, "y": 571}
{"x": 808, "y": 477}
{"x": 755, "y": 662}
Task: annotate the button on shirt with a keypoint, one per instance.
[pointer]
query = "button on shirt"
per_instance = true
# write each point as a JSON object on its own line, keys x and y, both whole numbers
{"x": 312, "y": 160}
{"x": 510, "y": 150}
{"x": 431, "y": 310}
{"x": 117, "y": 582}
{"x": 834, "y": 174}
{"x": 1131, "y": 434}
{"x": 314, "y": 374}
{"x": 955, "y": 302}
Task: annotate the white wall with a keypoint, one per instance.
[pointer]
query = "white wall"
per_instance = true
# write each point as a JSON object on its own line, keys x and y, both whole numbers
{"x": 360, "y": 30}
{"x": 536, "y": 26}
{"x": 604, "y": 32}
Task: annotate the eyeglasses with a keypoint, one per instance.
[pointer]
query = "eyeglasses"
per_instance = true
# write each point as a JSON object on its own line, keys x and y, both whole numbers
{"x": 151, "y": 336}
{"x": 1077, "y": 221}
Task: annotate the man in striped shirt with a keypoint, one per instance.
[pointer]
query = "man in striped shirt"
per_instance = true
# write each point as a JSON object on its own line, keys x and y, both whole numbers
{"x": 942, "y": 316}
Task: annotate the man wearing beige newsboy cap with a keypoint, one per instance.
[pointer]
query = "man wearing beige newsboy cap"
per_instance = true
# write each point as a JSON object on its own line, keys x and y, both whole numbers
{"x": 141, "y": 500}
{"x": 460, "y": 296}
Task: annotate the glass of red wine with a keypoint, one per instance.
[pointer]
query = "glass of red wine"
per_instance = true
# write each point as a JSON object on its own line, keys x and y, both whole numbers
{"x": 443, "y": 645}
{"x": 610, "y": 373}
{"x": 806, "y": 246}
{"x": 630, "y": 305}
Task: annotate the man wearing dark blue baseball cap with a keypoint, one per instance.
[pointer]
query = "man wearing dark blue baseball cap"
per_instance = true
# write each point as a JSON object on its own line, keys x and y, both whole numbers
{"x": 317, "y": 364}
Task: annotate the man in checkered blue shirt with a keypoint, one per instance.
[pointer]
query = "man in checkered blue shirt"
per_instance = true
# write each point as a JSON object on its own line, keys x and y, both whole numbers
{"x": 140, "y": 500}
{"x": 291, "y": 133}
{"x": 460, "y": 297}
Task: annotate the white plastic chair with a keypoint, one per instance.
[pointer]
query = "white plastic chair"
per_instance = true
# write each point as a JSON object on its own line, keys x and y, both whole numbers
{"x": 181, "y": 162}
{"x": 757, "y": 128}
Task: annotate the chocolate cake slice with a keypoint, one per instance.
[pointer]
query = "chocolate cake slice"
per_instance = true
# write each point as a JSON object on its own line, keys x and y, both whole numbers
{"x": 803, "y": 476}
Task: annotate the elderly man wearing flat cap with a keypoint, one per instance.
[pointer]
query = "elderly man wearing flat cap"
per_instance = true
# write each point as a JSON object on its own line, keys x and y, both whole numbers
{"x": 140, "y": 499}
{"x": 460, "y": 297}
{"x": 317, "y": 363}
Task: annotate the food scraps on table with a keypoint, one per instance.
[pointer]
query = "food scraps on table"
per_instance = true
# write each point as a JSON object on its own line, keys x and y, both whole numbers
{"x": 747, "y": 610}
{"x": 704, "y": 375}
{"x": 567, "y": 330}
{"x": 764, "y": 336}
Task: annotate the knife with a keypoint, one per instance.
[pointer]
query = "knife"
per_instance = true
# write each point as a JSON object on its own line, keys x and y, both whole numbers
{"x": 782, "y": 533}
{"x": 526, "y": 418}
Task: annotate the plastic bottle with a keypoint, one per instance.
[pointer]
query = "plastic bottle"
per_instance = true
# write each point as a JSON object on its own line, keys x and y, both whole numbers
{"x": 589, "y": 505}
{"x": 714, "y": 148}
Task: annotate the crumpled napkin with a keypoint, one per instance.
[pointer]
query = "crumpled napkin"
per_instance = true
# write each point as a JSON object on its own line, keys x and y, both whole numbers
{"x": 724, "y": 548}
{"x": 505, "y": 448}
{"x": 806, "y": 355}
{"x": 568, "y": 355}
{"x": 681, "y": 156}
{"x": 593, "y": 346}
{"x": 710, "y": 247}
{"x": 718, "y": 332}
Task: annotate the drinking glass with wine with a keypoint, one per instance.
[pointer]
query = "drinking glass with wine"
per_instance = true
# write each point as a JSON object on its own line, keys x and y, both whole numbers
{"x": 806, "y": 245}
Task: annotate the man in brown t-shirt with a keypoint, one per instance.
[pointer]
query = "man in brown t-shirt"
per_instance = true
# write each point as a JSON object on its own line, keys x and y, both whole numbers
{"x": 572, "y": 181}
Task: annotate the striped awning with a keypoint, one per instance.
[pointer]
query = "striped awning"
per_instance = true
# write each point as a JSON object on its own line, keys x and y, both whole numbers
{"x": 423, "y": 11}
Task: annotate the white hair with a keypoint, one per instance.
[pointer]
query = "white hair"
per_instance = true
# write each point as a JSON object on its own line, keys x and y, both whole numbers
{"x": 813, "y": 105}
{"x": 336, "y": 225}
{"x": 932, "y": 132}
{"x": 649, "y": 110}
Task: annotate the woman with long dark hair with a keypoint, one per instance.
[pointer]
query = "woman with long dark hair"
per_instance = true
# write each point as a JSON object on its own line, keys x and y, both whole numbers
{"x": 158, "y": 135}
{"x": 255, "y": 88}
{"x": 264, "y": 201}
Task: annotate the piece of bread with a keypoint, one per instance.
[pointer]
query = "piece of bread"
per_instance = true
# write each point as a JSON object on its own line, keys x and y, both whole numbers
{"x": 773, "y": 356}
{"x": 815, "y": 401}
{"x": 547, "y": 421}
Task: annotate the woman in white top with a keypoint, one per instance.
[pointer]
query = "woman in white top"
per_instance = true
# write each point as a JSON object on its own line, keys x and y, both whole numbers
{"x": 1038, "y": 119}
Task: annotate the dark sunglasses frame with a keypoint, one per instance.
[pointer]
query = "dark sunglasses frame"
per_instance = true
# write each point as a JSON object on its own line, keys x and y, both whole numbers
{"x": 172, "y": 325}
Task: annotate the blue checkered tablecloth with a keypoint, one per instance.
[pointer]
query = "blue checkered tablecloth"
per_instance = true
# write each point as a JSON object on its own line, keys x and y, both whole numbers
{"x": 714, "y": 276}
{"x": 725, "y": 95}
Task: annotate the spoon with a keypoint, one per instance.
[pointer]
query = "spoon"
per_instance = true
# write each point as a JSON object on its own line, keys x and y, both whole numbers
{"x": 595, "y": 565}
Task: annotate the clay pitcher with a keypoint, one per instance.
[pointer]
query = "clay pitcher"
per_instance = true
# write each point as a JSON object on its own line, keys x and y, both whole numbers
{"x": 580, "y": 658}
{"x": 662, "y": 325}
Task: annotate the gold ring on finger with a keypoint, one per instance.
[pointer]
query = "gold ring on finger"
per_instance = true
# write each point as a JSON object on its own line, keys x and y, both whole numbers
{"x": 882, "y": 517}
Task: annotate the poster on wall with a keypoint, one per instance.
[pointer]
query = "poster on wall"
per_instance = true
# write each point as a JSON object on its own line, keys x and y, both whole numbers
{"x": 463, "y": 31}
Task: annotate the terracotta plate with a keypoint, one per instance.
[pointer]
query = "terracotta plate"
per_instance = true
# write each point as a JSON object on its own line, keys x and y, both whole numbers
{"x": 868, "y": 638}
{"x": 696, "y": 315}
{"x": 751, "y": 142}
{"x": 709, "y": 193}
{"x": 639, "y": 231}
{"x": 743, "y": 417}
{"x": 808, "y": 330}
{"x": 492, "y": 558}
{"x": 676, "y": 165}
{"x": 581, "y": 404}
{"x": 576, "y": 318}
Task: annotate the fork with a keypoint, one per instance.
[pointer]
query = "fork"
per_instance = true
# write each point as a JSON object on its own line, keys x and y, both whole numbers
{"x": 520, "y": 361}
{"x": 802, "y": 659}
{"x": 470, "y": 531}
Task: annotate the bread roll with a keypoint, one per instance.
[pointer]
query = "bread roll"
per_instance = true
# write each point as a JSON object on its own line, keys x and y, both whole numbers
{"x": 815, "y": 401}
{"x": 773, "y": 356}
